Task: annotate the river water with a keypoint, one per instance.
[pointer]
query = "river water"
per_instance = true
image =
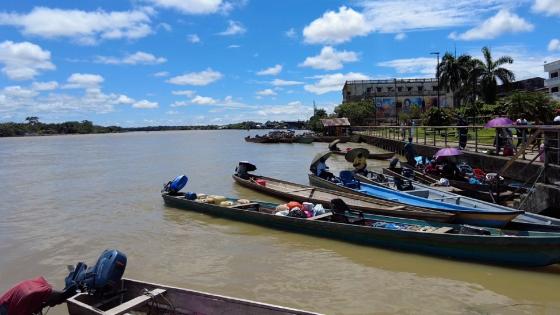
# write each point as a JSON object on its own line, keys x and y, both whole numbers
{"x": 66, "y": 198}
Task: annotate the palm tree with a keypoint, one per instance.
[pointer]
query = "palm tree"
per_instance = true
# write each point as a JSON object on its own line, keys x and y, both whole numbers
{"x": 452, "y": 73}
{"x": 492, "y": 70}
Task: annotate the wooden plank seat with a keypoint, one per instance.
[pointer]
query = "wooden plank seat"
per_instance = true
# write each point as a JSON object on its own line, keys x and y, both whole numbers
{"x": 134, "y": 303}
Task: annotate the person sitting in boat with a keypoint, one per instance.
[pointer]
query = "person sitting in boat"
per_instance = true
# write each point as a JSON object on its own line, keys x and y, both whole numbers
{"x": 321, "y": 170}
{"x": 431, "y": 168}
{"x": 360, "y": 164}
{"x": 30, "y": 297}
{"x": 451, "y": 171}
{"x": 410, "y": 152}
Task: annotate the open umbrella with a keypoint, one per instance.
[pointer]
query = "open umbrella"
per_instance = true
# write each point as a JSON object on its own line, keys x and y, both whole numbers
{"x": 351, "y": 155}
{"x": 319, "y": 156}
{"x": 448, "y": 152}
{"x": 332, "y": 145}
{"x": 499, "y": 122}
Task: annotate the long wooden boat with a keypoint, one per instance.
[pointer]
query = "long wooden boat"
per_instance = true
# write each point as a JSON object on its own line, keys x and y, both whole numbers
{"x": 260, "y": 139}
{"x": 524, "y": 221}
{"x": 295, "y": 192}
{"x": 304, "y": 139}
{"x": 463, "y": 214}
{"x": 377, "y": 156}
{"x": 448, "y": 240}
{"x": 141, "y": 297}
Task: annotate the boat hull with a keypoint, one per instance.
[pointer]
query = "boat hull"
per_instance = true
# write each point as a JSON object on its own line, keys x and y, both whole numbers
{"x": 376, "y": 156}
{"x": 355, "y": 201}
{"x": 511, "y": 250}
{"x": 185, "y": 302}
{"x": 474, "y": 217}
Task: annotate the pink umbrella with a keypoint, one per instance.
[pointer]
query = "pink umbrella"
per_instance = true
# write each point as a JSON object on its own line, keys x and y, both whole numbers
{"x": 499, "y": 122}
{"x": 448, "y": 152}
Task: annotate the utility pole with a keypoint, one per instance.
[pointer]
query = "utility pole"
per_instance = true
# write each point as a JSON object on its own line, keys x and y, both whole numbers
{"x": 437, "y": 75}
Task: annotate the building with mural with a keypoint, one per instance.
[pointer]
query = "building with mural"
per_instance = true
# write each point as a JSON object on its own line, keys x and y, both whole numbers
{"x": 392, "y": 96}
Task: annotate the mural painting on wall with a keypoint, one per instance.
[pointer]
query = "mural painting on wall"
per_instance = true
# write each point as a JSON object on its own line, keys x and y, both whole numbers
{"x": 385, "y": 107}
{"x": 409, "y": 102}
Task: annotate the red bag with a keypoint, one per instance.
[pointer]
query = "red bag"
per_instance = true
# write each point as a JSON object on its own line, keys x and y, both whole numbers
{"x": 261, "y": 182}
{"x": 294, "y": 204}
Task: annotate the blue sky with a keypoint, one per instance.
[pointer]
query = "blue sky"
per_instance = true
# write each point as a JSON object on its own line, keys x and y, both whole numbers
{"x": 176, "y": 62}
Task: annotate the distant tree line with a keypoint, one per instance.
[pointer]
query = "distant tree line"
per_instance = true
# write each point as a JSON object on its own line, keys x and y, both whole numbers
{"x": 33, "y": 127}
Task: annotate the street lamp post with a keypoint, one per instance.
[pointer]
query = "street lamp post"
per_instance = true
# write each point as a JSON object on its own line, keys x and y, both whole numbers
{"x": 437, "y": 74}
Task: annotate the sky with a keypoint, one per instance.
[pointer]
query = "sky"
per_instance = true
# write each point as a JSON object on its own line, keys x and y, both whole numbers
{"x": 197, "y": 62}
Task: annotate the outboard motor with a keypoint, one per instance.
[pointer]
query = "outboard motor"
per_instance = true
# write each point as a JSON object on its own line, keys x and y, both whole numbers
{"x": 173, "y": 187}
{"x": 100, "y": 279}
{"x": 243, "y": 168}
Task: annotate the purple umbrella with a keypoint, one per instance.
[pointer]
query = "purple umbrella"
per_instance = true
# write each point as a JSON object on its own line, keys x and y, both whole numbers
{"x": 448, "y": 152}
{"x": 499, "y": 122}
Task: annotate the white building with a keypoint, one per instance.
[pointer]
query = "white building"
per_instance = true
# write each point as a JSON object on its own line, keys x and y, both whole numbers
{"x": 552, "y": 83}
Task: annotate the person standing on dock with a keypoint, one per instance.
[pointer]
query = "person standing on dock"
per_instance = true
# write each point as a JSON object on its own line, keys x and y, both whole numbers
{"x": 463, "y": 133}
{"x": 521, "y": 133}
{"x": 410, "y": 152}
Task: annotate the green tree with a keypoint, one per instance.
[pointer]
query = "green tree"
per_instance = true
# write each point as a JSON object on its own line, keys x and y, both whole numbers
{"x": 314, "y": 123}
{"x": 452, "y": 73}
{"x": 493, "y": 70}
{"x": 535, "y": 106}
{"x": 439, "y": 116}
{"x": 32, "y": 120}
{"x": 359, "y": 113}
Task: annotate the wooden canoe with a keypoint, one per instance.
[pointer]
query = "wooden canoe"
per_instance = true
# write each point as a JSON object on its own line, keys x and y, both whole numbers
{"x": 303, "y": 193}
{"x": 463, "y": 214}
{"x": 137, "y": 296}
{"x": 376, "y": 156}
{"x": 524, "y": 221}
{"x": 442, "y": 239}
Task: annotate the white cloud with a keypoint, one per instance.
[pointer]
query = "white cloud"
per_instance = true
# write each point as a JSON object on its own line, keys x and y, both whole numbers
{"x": 18, "y": 91}
{"x": 83, "y": 80}
{"x": 422, "y": 66}
{"x": 123, "y": 99}
{"x": 333, "y": 82}
{"x": 547, "y": 7}
{"x": 554, "y": 45}
{"x": 234, "y": 46}
{"x": 275, "y": 70}
{"x": 180, "y": 104}
{"x": 144, "y": 104}
{"x": 234, "y": 28}
{"x": 501, "y": 23}
{"x": 193, "y": 38}
{"x": 197, "y": 78}
{"x": 165, "y": 26}
{"x": 44, "y": 86}
{"x": 266, "y": 92}
{"x": 330, "y": 59}
{"x": 161, "y": 74}
{"x": 137, "y": 58}
{"x": 187, "y": 93}
{"x": 337, "y": 27}
{"x": 291, "y": 33}
{"x": 190, "y": 6}
{"x": 24, "y": 60}
{"x": 400, "y": 36}
{"x": 280, "y": 82}
{"x": 203, "y": 100}
{"x": 86, "y": 27}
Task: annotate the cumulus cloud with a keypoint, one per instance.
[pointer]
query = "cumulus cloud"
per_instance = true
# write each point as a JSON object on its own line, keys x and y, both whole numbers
{"x": 138, "y": 58}
{"x": 187, "y": 93}
{"x": 547, "y": 7}
{"x": 203, "y": 100}
{"x": 44, "y": 86}
{"x": 280, "y": 82}
{"x": 190, "y": 6}
{"x": 400, "y": 36}
{"x": 86, "y": 27}
{"x": 84, "y": 81}
{"x": 145, "y": 104}
{"x": 554, "y": 45}
{"x": 330, "y": 59}
{"x": 337, "y": 27}
{"x": 501, "y": 23}
{"x": 333, "y": 82}
{"x": 421, "y": 66}
{"x": 291, "y": 33}
{"x": 234, "y": 28}
{"x": 233, "y": 46}
{"x": 193, "y": 38}
{"x": 24, "y": 60}
{"x": 161, "y": 74}
{"x": 266, "y": 92}
{"x": 275, "y": 70}
{"x": 197, "y": 78}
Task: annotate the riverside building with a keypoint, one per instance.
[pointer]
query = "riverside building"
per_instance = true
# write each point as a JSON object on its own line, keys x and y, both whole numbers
{"x": 552, "y": 83}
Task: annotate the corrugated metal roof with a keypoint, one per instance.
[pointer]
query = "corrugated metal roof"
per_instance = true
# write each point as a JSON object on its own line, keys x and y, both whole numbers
{"x": 333, "y": 122}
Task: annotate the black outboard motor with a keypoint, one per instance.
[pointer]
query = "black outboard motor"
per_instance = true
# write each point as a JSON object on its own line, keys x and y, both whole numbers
{"x": 100, "y": 279}
{"x": 243, "y": 168}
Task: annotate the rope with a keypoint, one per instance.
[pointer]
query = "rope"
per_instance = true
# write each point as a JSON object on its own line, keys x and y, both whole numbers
{"x": 530, "y": 191}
